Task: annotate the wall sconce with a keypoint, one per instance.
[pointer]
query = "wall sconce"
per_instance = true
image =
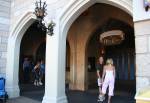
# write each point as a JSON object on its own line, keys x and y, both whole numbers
{"x": 40, "y": 12}
{"x": 146, "y": 4}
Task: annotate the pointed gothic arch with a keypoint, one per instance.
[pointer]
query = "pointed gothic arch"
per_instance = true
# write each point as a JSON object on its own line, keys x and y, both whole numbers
{"x": 14, "y": 41}
{"x": 75, "y": 8}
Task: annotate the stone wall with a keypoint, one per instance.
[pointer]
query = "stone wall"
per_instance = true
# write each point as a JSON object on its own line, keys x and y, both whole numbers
{"x": 4, "y": 32}
{"x": 142, "y": 35}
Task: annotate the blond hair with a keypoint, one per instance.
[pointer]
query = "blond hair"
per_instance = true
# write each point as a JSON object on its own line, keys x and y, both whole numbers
{"x": 109, "y": 61}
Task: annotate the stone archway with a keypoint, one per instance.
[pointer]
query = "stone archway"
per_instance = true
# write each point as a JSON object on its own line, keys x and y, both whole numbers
{"x": 14, "y": 41}
{"x": 69, "y": 15}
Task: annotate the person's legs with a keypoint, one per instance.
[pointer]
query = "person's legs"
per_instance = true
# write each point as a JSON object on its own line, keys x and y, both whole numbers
{"x": 25, "y": 75}
{"x": 36, "y": 81}
{"x": 40, "y": 78}
{"x": 111, "y": 90}
{"x": 99, "y": 86}
{"x": 109, "y": 99}
{"x": 100, "y": 90}
{"x": 104, "y": 88}
{"x": 100, "y": 97}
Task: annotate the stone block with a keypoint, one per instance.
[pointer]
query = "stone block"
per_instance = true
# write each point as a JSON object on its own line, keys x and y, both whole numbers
{"x": 149, "y": 44}
{"x": 4, "y": 9}
{"x": 4, "y": 33}
{"x": 3, "y": 55}
{"x": 4, "y": 27}
{"x": 0, "y": 39}
{"x": 142, "y": 64}
{"x": 141, "y": 44}
{"x": 4, "y": 14}
{"x": 142, "y": 82}
{"x": 5, "y": 3}
{"x": 4, "y": 20}
{"x": 4, "y": 40}
{"x": 142, "y": 27}
{"x": 2, "y": 63}
{"x": 3, "y": 47}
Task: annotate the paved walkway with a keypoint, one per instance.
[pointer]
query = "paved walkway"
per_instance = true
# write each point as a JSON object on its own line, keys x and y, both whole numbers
{"x": 36, "y": 95}
{"x": 72, "y": 96}
{"x": 23, "y": 100}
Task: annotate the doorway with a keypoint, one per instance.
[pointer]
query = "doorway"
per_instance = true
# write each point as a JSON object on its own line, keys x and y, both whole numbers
{"x": 32, "y": 48}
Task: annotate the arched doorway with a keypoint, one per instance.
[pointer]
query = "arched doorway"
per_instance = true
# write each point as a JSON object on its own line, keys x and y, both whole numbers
{"x": 82, "y": 31}
{"x": 122, "y": 54}
{"x": 65, "y": 20}
{"x": 32, "y": 48}
{"x": 18, "y": 47}
{"x": 83, "y": 28}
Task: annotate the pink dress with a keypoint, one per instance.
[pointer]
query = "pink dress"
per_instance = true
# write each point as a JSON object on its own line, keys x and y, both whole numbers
{"x": 108, "y": 81}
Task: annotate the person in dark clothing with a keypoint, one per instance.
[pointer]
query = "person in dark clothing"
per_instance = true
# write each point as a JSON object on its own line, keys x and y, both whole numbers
{"x": 99, "y": 68}
{"x": 42, "y": 72}
{"x": 36, "y": 73}
{"x": 26, "y": 70}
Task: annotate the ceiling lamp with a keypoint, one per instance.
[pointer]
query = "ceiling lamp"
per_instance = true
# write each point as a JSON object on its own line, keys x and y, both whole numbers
{"x": 112, "y": 37}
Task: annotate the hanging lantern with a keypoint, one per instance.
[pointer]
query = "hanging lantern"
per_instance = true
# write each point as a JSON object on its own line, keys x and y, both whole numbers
{"x": 40, "y": 12}
{"x": 112, "y": 37}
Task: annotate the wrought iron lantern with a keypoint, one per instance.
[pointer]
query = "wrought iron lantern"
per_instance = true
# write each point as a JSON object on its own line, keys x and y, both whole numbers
{"x": 146, "y": 4}
{"x": 40, "y": 12}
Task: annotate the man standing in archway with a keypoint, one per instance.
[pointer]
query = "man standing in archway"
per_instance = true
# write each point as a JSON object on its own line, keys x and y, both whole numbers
{"x": 99, "y": 68}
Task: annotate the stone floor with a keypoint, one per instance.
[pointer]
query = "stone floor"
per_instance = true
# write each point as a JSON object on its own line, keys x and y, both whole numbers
{"x": 32, "y": 94}
{"x": 73, "y": 97}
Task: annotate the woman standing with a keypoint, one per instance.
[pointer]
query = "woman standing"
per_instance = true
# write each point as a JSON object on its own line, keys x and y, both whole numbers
{"x": 108, "y": 79}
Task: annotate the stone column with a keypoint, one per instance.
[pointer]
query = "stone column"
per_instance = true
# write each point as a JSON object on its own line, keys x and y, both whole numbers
{"x": 55, "y": 69}
{"x": 142, "y": 42}
{"x": 72, "y": 69}
{"x": 12, "y": 69}
{"x": 73, "y": 44}
{"x": 80, "y": 70}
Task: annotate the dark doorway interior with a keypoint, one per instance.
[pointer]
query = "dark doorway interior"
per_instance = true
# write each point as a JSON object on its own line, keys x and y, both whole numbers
{"x": 32, "y": 46}
{"x": 67, "y": 76}
{"x": 122, "y": 54}
{"x": 40, "y": 52}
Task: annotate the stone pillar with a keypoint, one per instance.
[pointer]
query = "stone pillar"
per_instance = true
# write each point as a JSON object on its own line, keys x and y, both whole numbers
{"x": 72, "y": 69}
{"x": 142, "y": 42}
{"x": 80, "y": 70}
{"x": 55, "y": 69}
{"x": 12, "y": 69}
{"x": 73, "y": 45}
